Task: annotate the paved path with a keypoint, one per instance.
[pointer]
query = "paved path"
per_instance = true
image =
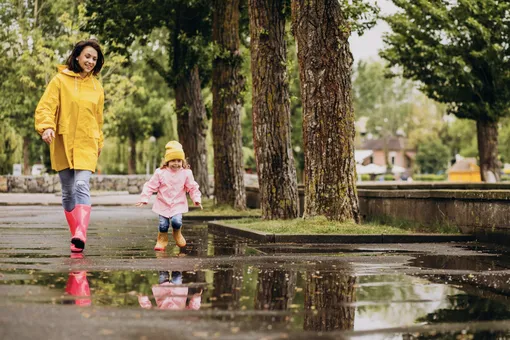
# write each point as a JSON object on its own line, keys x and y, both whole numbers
{"x": 107, "y": 198}
{"x": 246, "y": 290}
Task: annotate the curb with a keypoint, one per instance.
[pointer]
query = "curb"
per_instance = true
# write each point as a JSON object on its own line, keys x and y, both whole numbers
{"x": 211, "y": 218}
{"x": 221, "y": 229}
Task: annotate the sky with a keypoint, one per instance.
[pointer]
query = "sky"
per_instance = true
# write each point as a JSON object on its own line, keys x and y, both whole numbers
{"x": 368, "y": 45}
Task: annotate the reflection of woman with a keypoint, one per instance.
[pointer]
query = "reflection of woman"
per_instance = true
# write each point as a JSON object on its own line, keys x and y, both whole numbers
{"x": 78, "y": 285}
{"x": 69, "y": 117}
{"x": 171, "y": 295}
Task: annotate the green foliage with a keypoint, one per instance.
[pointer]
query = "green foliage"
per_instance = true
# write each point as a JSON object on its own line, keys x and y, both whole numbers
{"x": 504, "y": 140}
{"x": 361, "y": 15}
{"x": 186, "y": 23}
{"x": 10, "y": 149}
{"x": 386, "y": 102}
{"x": 429, "y": 177}
{"x": 461, "y": 137}
{"x": 432, "y": 156}
{"x": 33, "y": 43}
{"x": 457, "y": 50}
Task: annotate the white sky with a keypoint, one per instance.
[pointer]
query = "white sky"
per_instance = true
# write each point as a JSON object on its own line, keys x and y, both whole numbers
{"x": 368, "y": 45}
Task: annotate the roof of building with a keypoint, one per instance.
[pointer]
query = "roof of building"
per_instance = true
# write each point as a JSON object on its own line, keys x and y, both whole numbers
{"x": 394, "y": 143}
{"x": 466, "y": 164}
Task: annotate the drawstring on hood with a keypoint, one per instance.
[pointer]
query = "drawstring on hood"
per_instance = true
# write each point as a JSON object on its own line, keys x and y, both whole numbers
{"x": 63, "y": 69}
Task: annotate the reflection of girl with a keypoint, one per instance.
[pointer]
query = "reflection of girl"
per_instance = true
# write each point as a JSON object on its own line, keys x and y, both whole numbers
{"x": 69, "y": 118}
{"x": 171, "y": 295}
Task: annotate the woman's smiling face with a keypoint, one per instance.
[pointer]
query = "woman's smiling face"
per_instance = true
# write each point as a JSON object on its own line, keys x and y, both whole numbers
{"x": 87, "y": 59}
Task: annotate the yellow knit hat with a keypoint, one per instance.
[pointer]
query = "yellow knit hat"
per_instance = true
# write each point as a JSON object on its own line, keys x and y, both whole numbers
{"x": 173, "y": 151}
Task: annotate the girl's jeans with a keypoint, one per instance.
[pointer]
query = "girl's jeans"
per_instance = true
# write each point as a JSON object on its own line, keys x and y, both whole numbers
{"x": 75, "y": 187}
{"x": 164, "y": 223}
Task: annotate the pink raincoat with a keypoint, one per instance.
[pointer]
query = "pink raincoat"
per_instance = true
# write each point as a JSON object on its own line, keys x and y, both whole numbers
{"x": 171, "y": 297}
{"x": 171, "y": 186}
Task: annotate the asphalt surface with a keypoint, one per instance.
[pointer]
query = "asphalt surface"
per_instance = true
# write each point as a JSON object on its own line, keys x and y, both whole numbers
{"x": 247, "y": 289}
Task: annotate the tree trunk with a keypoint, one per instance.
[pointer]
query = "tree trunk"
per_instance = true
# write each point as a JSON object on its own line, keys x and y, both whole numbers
{"x": 325, "y": 61}
{"x": 271, "y": 111}
{"x": 227, "y": 84}
{"x": 26, "y": 155}
{"x": 276, "y": 290}
{"x": 328, "y": 301}
{"x": 487, "y": 135}
{"x": 192, "y": 126}
{"x": 132, "y": 156}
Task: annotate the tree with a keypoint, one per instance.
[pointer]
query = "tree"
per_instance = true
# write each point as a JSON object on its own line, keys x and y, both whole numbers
{"x": 271, "y": 110}
{"x": 32, "y": 42}
{"x": 432, "y": 156}
{"x": 188, "y": 25}
{"x": 386, "y": 102}
{"x": 227, "y": 84}
{"x": 457, "y": 50}
{"x": 322, "y": 30}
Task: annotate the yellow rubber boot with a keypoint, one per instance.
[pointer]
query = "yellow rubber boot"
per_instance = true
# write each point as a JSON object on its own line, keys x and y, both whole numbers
{"x": 162, "y": 241}
{"x": 180, "y": 241}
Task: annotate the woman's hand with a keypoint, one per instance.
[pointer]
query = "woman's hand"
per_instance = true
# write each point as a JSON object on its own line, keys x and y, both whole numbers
{"x": 198, "y": 204}
{"x": 48, "y": 136}
{"x": 99, "y": 152}
{"x": 139, "y": 204}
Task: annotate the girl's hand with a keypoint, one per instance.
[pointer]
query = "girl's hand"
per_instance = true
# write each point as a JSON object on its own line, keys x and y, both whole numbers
{"x": 198, "y": 204}
{"x": 139, "y": 204}
{"x": 48, "y": 136}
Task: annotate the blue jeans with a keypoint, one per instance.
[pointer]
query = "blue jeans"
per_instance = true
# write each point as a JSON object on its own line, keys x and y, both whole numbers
{"x": 164, "y": 276}
{"x": 75, "y": 187}
{"x": 164, "y": 223}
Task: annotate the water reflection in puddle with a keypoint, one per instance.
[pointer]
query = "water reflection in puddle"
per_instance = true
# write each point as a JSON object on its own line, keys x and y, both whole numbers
{"x": 248, "y": 296}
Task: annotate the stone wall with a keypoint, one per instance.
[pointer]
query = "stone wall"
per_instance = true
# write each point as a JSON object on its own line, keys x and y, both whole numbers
{"x": 485, "y": 213}
{"x": 51, "y": 184}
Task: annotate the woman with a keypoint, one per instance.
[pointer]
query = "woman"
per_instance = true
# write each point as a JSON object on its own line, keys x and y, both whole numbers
{"x": 69, "y": 117}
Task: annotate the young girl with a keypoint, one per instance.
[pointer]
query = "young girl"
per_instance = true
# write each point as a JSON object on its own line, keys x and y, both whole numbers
{"x": 171, "y": 181}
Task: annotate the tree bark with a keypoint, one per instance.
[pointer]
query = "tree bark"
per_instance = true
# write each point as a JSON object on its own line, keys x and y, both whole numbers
{"x": 192, "y": 126}
{"x": 227, "y": 84}
{"x": 276, "y": 290}
{"x": 487, "y": 135}
{"x": 26, "y": 155}
{"x": 325, "y": 62}
{"x": 327, "y": 298}
{"x": 132, "y": 156}
{"x": 271, "y": 111}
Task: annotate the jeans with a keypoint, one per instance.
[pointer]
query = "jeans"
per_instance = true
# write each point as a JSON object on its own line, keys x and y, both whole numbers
{"x": 75, "y": 187}
{"x": 164, "y": 223}
{"x": 164, "y": 276}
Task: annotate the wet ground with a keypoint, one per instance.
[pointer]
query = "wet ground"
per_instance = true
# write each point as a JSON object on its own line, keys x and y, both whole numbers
{"x": 231, "y": 288}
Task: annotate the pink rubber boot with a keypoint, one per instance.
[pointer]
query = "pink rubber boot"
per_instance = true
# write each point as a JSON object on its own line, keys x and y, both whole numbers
{"x": 71, "y": 221}
{"x": 82, "y": 216}
{"x": 78, "y": 285}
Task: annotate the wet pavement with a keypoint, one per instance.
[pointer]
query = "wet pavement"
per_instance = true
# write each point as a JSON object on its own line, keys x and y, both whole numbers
{"x": 232, "y": 288}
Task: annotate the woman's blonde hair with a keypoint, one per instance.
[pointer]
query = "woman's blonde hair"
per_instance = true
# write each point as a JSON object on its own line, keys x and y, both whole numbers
{"x": 185, "y": 164}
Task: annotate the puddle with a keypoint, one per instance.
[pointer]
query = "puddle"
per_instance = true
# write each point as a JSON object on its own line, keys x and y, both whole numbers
{"x": 476, "y": 263}
{"x": 253, "y": 298}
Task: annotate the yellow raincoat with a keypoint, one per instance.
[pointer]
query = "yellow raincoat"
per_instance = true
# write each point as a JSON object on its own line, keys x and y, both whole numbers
{"x": 73, "y": 107}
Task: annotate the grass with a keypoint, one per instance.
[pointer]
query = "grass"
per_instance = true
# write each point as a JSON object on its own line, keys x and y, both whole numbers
{"x": 321, "y": 225}
{"x": 212, "y": 209}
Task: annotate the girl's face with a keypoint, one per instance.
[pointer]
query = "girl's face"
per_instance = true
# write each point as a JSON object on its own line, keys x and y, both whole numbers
{"x": 87, "y": 59}
{"x": 175, "y": 164}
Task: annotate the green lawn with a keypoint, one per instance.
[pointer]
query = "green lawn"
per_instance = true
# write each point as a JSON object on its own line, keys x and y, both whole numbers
{"x": 321, "y": 225}
{"x": 211, "y": 209}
